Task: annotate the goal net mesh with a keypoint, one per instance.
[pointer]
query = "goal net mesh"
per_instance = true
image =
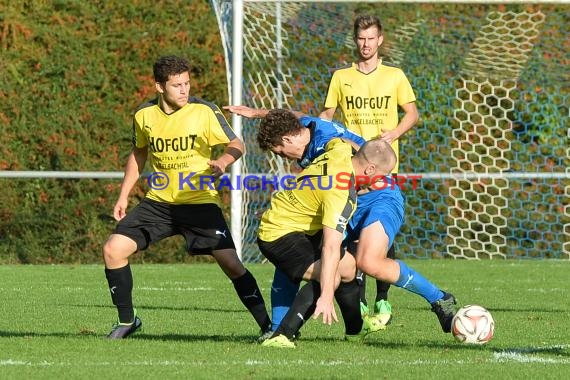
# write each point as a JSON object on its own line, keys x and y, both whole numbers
{"x": 492, "y": 86}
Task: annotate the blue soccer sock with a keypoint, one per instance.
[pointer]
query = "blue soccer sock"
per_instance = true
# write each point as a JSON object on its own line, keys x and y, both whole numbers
{"x": 301, "y": 310}
{"x": 283, "y": 292}
{"x": 416, "y": 283}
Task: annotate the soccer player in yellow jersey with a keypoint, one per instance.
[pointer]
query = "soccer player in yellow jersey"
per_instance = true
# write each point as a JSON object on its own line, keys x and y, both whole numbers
{"x": 302, "y": 232}
{"x": 369, "y": 93}
{"x": 177, "y": 133}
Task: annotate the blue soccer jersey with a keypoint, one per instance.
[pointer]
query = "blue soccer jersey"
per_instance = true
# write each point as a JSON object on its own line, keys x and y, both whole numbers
{"x": 386, "y": 205}
{"x": 322, "y": 131}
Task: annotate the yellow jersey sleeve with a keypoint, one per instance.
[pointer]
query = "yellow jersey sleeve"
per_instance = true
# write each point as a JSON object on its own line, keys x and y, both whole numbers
{"x": 219, "y": 131}
{"x": 322, "y": 195}
{"x": 139, "y": 137}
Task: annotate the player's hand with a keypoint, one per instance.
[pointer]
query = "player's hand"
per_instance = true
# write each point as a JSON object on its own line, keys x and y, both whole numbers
{"x": 218, "y": 167}
{"x": 120, "y": 209}
{"x": 326, "y": 308}
{"x": 389, "y": 136}
{"x": 244, "y": 111}
{"x": 259, "y": 214}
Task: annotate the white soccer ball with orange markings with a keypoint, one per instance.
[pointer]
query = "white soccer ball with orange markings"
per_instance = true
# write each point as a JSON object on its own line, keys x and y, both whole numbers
{"x": 473, "y": 324}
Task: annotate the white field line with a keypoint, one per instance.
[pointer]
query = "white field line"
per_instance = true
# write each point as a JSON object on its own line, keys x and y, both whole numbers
{"x": 549, "y": 290}
{"x": 150, "y": 288}
{"x": 504, "y": 357}
{"x": 162, "y": 289}
{"x": 498, "y": 358}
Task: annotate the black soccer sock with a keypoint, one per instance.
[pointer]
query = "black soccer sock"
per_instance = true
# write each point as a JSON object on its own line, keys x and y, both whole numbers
{"x": 382, "y": 290}
{"x": 120, "y": 282}
{"x": 250, "y": 295}
{"x": 381, "y": 286}
{"x": 361, "y": 281}
{"x": 347, "y": 298}
{"x": 302, "y": 308}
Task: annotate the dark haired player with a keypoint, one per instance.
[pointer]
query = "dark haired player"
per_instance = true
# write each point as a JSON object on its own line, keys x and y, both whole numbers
{"x": 177, "y": 132}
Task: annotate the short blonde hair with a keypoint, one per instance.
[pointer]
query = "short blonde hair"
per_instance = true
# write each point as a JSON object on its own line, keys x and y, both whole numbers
{"x": 366, "y": 21}
{"x": 379, "y": 153}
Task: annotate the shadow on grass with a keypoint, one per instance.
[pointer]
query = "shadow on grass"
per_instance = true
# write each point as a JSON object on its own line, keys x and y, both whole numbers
{"x": 170, "y": 308}
{"x": 505, "y": 309}
{"x": 234, "y": 338}
{"x": 242, "y": 338}
{"x": 32, "y": 334}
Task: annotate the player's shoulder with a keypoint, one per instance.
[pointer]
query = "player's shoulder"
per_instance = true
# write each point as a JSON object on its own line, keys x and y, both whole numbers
{"x": 338, "y": 148}
{"x": 391, "y": 66}
{"x": 201, "y": 102}
{"x": 146, "y": 105}
{"x": 306, "y": 120}
{"x": 341, "y": 69}
{"x": 203, "y": 106}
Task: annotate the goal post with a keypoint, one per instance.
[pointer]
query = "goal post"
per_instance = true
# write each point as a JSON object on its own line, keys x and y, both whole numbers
{"x": 492, "y": 89}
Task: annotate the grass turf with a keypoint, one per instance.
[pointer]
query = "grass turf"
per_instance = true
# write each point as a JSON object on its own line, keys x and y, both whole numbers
{"x": 54, "y": 319}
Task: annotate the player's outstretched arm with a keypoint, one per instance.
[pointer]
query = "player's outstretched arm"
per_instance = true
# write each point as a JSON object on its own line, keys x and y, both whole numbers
{"x": 245, "y": 111}
{"x": 254, "y": 113}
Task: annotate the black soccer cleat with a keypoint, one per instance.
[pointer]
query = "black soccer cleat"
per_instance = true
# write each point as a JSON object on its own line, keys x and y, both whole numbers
{"x": 444, "y": 308}
{"x": 123, "y": 330}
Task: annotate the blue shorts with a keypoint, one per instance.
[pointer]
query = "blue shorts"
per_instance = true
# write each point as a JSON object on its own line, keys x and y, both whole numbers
{"x": 385, "y": 206}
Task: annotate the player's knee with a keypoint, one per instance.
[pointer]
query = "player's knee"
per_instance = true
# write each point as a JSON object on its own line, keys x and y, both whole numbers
{"x": 117, "y": 249}
{"x": 366, "y": 265}
{"x": 347, "y": 269}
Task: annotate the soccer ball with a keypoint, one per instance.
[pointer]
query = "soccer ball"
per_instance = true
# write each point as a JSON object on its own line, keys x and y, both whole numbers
{"x": 473, "y": 324}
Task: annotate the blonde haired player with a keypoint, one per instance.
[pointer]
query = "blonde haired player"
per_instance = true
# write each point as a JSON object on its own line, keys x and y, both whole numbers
{"x": 369, "y": 93}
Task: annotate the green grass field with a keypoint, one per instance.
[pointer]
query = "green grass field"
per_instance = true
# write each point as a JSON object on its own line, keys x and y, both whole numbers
{"x": 54, "y": 318}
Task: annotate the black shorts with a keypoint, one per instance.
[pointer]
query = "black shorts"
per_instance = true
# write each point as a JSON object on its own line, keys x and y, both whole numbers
{"x": 202, "y": 225}
{"x": 293, "y": 253}
{"x": 351, "y": 247}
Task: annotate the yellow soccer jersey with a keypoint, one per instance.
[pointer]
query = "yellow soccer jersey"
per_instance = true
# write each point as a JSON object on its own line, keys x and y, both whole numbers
{"x": 180, "y": 146}
{"x": 369, "y": 102}
{"x": 322, "y": 195}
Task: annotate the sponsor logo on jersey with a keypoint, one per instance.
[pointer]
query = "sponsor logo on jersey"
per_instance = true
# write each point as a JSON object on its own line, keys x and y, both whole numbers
{"x": 177, "y": 144}
{"x": 359, "y": 102}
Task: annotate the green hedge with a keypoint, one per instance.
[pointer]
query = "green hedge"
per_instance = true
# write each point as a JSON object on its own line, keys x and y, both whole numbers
{"x": 72, "y": 73}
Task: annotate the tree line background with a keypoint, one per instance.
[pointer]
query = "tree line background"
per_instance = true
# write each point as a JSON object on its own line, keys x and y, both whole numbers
{"x": 72, "y": 74}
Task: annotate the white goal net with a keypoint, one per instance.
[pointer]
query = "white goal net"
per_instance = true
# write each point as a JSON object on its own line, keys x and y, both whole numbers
{"x": 492, "y": 84}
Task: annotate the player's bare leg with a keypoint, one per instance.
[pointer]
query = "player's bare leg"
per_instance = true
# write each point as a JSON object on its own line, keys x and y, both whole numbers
{"x": 371, "y": 257}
